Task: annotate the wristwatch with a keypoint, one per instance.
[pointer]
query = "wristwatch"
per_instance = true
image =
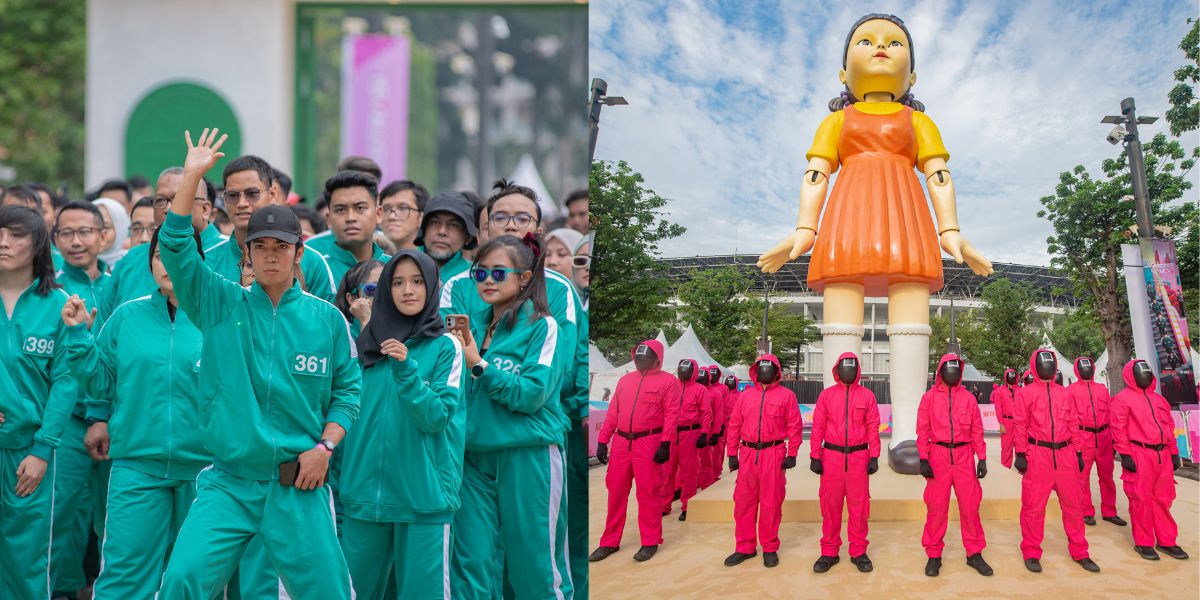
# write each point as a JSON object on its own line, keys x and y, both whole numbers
{"x": 93, "y": 420}
{"x": 477, "y": 370}
{"x": 328, "y": 445}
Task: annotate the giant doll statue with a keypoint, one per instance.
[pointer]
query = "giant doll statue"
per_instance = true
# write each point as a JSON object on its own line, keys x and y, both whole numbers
{"x": 876, "y": 237}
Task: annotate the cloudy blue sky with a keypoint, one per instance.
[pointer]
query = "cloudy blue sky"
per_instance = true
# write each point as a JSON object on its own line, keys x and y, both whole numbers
{"x": 725, "y": 98}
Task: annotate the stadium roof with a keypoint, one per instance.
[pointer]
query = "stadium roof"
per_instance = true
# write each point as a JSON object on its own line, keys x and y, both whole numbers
{"x": 960, "y": 282}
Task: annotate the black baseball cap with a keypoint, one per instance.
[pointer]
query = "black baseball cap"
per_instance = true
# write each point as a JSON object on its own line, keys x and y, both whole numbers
{"x": 454, "y": 203}
{"x": 274, "y": 221}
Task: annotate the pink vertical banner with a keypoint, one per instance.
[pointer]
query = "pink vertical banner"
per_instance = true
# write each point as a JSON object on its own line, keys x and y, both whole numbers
{"x": 375, "y": 86}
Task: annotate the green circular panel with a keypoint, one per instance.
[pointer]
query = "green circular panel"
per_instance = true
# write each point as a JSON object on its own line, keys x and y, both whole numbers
{"x": 154, "y": 135}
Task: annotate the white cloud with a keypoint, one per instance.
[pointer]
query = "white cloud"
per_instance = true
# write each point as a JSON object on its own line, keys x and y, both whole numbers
{"x": 1017, "y": 90}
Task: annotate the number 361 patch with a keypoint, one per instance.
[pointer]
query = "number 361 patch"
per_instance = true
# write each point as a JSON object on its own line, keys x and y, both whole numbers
{"x": 310, "y": 364}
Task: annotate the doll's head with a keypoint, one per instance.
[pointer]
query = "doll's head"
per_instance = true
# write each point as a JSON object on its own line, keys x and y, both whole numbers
{"x": 878, "y": 58}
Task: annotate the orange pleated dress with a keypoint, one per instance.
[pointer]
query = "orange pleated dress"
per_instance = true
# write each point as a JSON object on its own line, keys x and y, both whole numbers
{"x": 877, "y": 229}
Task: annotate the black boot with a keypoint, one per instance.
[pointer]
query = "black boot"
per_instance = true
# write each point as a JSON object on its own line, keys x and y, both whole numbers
{"x": 1033, "y": 565}
{"x": 1115, "y": 520}
{"x": 1089, "y": 565}
{"x": 770, "y": 559}
{"x": 738, "y": 558}
{"x": 683, "y": 516}
{"x": 863, "y": 562}
{"x": 1174, "y": 552}
{"x": 933, "y": 566}
{"x": 824, "y": 563}
{"x": 678, "y": 493}
{"x": 645, "y": 553}
{"x": 1089, "y": 520}
{"x": 976, "y": 562}
{"x": 602, "y": 553}
{"x": 1146, "y": 552}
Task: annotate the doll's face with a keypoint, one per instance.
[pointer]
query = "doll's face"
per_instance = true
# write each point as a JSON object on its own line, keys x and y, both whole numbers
{"x": 878, "y": 60}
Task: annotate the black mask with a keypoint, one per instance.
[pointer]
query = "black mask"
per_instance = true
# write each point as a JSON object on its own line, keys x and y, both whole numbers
{"x": 644, "y": 358}
{"x": 1086, "y": 369}
{"x": 767, "y": 372}
{"x": 1010, "y": 378}
{"x": 731, "y": 382}
{"x": 1028, "y": 379}
{"x": 714, "y": 375}
{"x": 1143, "y": 376}
{"x": 951, "y": 372}
{"x": 702, "y": 377}
{"x": 847, "y": 370}
{"x": 685, "y": 370}
{"x": 1045, "y": 365}
{"x": 1058, "y": 378}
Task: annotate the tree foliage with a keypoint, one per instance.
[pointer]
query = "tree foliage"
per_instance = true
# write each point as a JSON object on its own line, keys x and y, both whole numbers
{"x": 1090, "y": 218}
{"x": 42, "y": 67}
{"x": 1077, "y": 333}
{"x": 789, "y": 332}
{"x": 714, "y": 303}
{"x": 1184, "y": 114}
{"x": 629, "y": 283}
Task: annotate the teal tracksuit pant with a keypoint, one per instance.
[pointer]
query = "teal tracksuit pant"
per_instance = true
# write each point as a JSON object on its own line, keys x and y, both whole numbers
{"x": 79, "y": 489}
{"x": 296, "y": 528}
{"x": 379, "y": 548}
{"x": 25, "y": 525}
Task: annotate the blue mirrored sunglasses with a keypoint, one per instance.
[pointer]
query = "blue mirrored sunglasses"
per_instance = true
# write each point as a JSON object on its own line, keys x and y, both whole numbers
{"x": 497, "y": 275}
{"x": 367, "y": 290}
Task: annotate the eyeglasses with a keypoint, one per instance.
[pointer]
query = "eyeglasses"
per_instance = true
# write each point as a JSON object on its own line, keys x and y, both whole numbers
{"x": 82, "y": 232}
{"x": 161, "y": 201}
{"x": 252, "y": 195}
{"x": 400, "y": 211}
{"x": 139, "y": 230}
{"x": 503, "y": 219}
{"x": 581, "y": 262}
{"x": 366, "y": 290}
{"x": 498, "y": 275}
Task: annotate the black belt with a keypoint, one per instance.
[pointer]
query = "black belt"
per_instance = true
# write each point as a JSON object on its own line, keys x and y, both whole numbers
{"x": 1009, "y": 417}
{"x": 952, "y": 444}
{"x": 844, "y": 449}
{"x": 691, "y": 427}
{"x": 1050, "y": 445}
{"x": 1154, "y": 447}
{"x": 762, "y": 445}
{"x": 638, "y": 434}
{"x": 1094, "y": 429}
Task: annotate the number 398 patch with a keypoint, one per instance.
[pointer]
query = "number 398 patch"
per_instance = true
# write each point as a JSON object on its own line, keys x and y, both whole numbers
{"x": 38, "y": 346}
{"x": 310, "y": 364}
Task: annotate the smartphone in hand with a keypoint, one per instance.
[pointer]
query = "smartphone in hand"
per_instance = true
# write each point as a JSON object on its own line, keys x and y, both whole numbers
{"x": 460, "y": 323}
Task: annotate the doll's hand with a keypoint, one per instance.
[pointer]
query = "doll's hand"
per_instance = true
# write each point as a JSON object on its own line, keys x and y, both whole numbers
{"x": 792, "y": 247}
{"x": 958, "y": 247}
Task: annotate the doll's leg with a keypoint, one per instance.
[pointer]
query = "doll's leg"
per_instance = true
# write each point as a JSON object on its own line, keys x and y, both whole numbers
{"x": 908, "y": 338}
{"x": 842, "y": 330}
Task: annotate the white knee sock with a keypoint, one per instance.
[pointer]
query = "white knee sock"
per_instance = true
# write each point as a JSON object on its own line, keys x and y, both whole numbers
{"x": 908, "y": 372}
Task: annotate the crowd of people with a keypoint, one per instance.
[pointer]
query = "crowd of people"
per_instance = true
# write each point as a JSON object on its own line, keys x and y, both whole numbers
{"x": 215, "y": 390}
{"x": 660, "y": 426}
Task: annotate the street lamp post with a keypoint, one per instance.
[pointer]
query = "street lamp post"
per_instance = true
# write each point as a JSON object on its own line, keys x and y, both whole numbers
{"x": 1126, "y": 130}
{"x": 600, "y": 98}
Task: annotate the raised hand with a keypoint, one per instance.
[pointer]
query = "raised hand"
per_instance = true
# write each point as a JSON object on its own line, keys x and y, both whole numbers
{"x": 396, "y": 350}
{"x": 205, "y": 153}
{"x": 74, "y": 312}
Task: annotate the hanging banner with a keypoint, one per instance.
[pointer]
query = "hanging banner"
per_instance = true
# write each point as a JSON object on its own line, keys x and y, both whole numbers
{"x": 1168, "y": 327}
{"x": 375, "y": 85}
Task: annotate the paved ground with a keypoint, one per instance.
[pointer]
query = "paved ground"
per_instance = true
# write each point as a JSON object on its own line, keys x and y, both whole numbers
{"x": 689, "y": 563}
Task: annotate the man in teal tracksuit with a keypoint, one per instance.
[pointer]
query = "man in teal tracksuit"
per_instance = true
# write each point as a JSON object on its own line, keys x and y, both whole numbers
{"x": 79, "y": 482}
{"x": 402, "y": 466}
{"x": 156, "y": 445}
{"x": 279, "y": 385}
{"x": 130, "y": 279}
{"x": 448, "y": 227}
{"x": 37, "y": 394}
{"x": 354, "y": 213}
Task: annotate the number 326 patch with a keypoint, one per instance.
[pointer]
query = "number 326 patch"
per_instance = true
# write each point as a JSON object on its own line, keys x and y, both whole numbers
{"x": 304, "y": 363}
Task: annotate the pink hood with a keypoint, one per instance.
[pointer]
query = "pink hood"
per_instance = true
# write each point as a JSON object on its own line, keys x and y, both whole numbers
{"x": 1131, "y": 383}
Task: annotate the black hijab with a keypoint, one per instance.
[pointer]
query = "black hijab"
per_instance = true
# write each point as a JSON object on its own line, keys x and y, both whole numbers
{"x": 387, "y": 322}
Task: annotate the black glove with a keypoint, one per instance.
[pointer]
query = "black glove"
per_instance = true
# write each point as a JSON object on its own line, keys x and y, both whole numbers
{"x": 926, "y": 469}
{"x": 1128, "y": 464}
{"x": 733, "y": 464}
{"x": 1020, "y": 464}
{"x": 712, "y": 441}
{"x": 702, "y": 441}
{"x": 872, "y": 465}
{"x": 981, "y": 469}
{"x": 602, "y": 453}
{"x": 663, "y": 454}
{"x": 789, "y": 462}
{"x": 1079, "y": 460}
{"x": 1176, "y": 462}
{"x": 814, "y": 465}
